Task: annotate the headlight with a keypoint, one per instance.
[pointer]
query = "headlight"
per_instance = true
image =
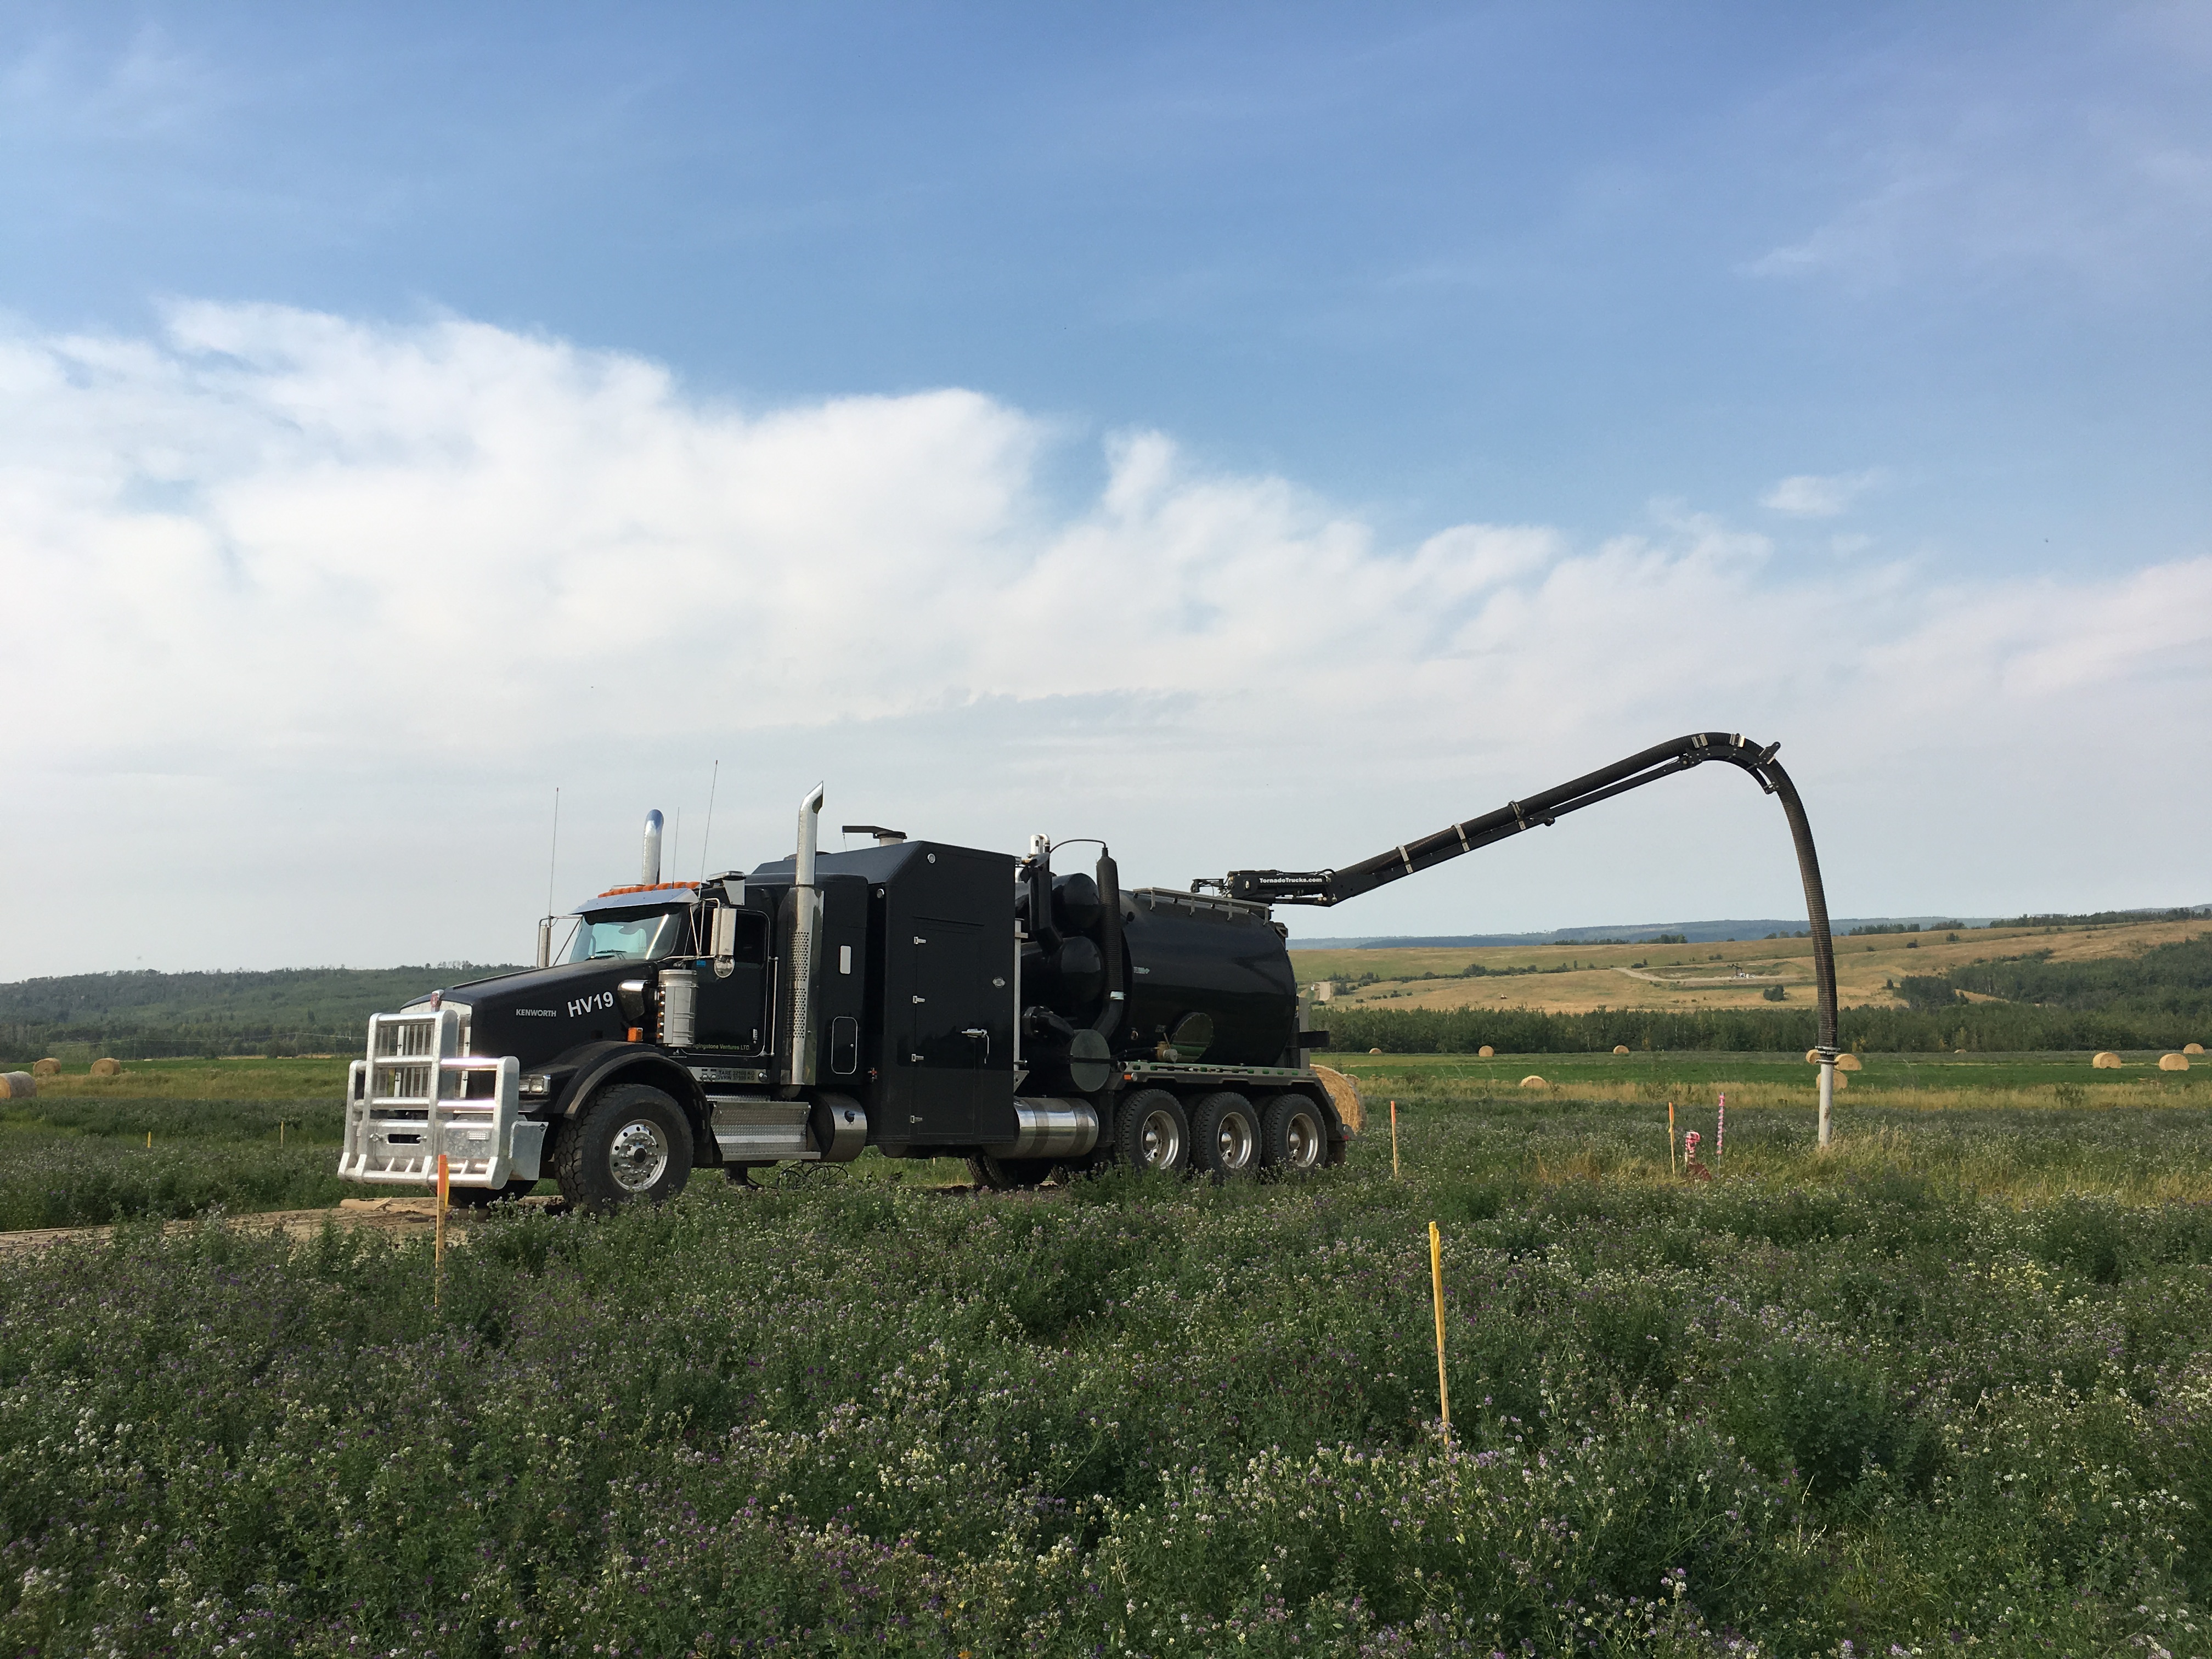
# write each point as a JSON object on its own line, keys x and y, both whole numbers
{"x": 537, "y": 1084}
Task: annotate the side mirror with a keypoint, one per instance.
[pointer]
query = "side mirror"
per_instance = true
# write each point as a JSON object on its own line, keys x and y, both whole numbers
{"x": 545, "y": 941}
{"x": 724, "y": 941}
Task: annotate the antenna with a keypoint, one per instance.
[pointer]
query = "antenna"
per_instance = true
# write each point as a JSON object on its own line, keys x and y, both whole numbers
{"x": 676, "y": 849}
{"x": 707, "y": 840}
{"x": 553, "y": 865}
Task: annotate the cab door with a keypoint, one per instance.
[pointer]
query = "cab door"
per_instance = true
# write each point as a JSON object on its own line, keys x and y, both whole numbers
{"x": 733, "y": 1013}
{"x": 949, "y": 1042}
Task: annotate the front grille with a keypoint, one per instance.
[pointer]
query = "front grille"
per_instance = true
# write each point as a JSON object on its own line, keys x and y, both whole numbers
{"x": 402, "y": 1082}
{"x": 419, "y": 1094}
{"x": 404, "y": 1036}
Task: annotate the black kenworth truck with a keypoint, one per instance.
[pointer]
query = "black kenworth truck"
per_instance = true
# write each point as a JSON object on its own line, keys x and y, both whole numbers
{"x": 926, "y": 999}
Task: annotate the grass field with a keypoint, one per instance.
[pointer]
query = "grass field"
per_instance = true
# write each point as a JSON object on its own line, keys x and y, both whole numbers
{"x": 158, "y": 1142}
{"x": 78, "y": 1154}
{"x": 245, "y": 1077}
{"x": 152, "y": 1143}
{"x": 1574, "y": 978}
{"x": 1946, "y": 1387}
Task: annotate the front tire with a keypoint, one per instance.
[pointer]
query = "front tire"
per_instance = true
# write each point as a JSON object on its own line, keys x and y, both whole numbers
{"x": 1296, "y": 1137}
{"x": 632, "y": 1145}
{"x": 1151, "y": 1133}
{"x": 1224, "y": 1133}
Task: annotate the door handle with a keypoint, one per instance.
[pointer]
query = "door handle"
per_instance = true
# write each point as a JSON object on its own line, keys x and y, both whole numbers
{"x": 978, "y": 1031}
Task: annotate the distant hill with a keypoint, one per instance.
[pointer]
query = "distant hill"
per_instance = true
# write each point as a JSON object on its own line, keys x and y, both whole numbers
{"x": 147, "y": 1015}
{"x": 1708, "y": 933}
{"x": 291, "y": 1011}
{"x": 2170, "y": 979}
{"x": 2159, "y": 997}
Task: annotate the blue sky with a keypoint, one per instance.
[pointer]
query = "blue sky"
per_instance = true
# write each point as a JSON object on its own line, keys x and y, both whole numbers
{"x": 1891, "y": 322}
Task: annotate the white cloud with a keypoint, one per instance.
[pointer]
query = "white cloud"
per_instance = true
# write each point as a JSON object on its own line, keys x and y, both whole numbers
{"x": 305, "y": 617}
{"x": 1816, "y": 495}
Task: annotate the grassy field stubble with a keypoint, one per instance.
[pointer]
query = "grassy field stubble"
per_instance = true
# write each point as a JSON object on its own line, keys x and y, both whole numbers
{"x": 77, "y": 1154}
{"x": 1952, "y": 1380}
{"x": 2016, "y": 1126}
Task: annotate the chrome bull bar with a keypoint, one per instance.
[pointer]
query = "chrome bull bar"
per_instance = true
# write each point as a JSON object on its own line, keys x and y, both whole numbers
{"x": 416, "y": 1094}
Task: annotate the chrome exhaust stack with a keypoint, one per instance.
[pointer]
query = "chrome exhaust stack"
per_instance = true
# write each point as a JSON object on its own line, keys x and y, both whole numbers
{"x": 806, "y": 915}
{"x": 649, "y": 867}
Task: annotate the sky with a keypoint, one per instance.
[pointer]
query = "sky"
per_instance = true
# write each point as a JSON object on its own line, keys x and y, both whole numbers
{"x": 1254, "y": 436}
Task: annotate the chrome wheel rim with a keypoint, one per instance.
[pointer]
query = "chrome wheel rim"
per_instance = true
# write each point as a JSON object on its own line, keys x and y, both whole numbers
{"x": 1300, "y": 1142}
{"x": 1234, "y": 1142}
{"x": 638, "y": 1156}
{"x": 1159, "y": 1141}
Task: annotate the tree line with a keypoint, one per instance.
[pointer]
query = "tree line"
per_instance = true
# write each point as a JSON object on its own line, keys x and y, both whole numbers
{"x": 147, "y": 1015}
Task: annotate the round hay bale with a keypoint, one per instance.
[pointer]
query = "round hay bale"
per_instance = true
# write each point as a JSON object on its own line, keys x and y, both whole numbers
{"x": 1812, "y": 1056}
{"x": 1532, "y": 1081}
{"x": 17, "y": 1085}
{"x": 2173, "y": 1062}
{"x": 48, "y": 1067}
{"x": 1620, "y": 1047}
{"x": 2192, "y": 1048}
{"x": 2106, "y": 1060}
{"x": 1344, "y": 1095}
{"x": 1374, "y": 1051}
{"x": 1486, "y": 1051}
{"x": 107, "y": 1068}
{"x": 1850, "y": 1063}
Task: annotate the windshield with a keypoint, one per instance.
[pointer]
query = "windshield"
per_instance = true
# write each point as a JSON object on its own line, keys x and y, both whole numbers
{"x": 632, "y": 937}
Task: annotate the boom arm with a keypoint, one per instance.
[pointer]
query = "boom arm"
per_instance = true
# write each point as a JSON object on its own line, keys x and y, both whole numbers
{"x": 1662, "y": 761}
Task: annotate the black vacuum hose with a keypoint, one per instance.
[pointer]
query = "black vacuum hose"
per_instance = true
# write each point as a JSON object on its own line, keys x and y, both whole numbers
{"x": 1816, "y": 900}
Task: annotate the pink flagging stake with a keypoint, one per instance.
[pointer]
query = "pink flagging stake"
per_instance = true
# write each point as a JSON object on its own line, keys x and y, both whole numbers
{"x": 1720, "y": 1130}
{"x": 1691, "y": 1170}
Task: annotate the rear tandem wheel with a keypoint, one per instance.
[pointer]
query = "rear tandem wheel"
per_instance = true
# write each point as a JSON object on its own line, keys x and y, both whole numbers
{"x": 1150, "y": 1132}
{"x": 1224, "y": 1134}
{"x": 1294, "y": 1136}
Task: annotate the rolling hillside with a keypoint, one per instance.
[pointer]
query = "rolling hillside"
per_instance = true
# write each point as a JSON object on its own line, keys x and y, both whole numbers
{"x": 145, "y": 1014}
{"x": 2133, "y": 966}
{"x": 1871, "y": 968}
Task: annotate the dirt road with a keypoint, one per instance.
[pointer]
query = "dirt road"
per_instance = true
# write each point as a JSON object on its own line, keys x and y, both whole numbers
{"x": 393, "y": 1217}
